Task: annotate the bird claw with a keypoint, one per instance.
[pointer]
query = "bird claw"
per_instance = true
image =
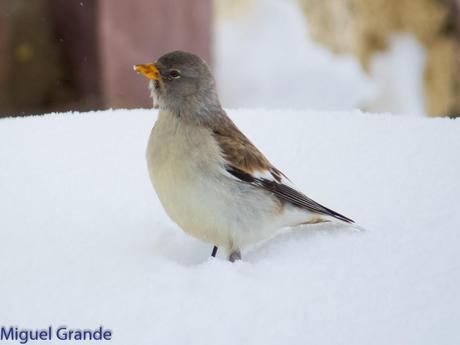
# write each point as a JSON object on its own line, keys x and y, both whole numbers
{"x": 234, "y": 256}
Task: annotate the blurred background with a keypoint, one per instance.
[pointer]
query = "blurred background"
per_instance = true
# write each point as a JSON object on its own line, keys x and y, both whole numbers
{"x": 399, "y": 56}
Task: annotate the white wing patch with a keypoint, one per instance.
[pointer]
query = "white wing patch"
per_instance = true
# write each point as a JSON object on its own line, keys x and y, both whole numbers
{"x": 274, "y": 182}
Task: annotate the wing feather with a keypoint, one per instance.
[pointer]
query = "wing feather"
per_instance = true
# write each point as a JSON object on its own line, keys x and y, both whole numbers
{"x": 247, "y": 164}
{"x": 286, "y": 194}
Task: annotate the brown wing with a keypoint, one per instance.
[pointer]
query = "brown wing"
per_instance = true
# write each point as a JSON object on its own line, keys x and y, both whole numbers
{"x": 244, "y": 161}
{"x": 240, "y": 152}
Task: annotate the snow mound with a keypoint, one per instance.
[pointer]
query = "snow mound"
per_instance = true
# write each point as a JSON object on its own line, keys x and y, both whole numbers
{"x": 84, "y": 241}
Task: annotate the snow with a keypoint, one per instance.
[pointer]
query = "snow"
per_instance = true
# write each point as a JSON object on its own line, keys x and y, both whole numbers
{"x": 84, "y": 241}
{"x": 267, "y": 50}
{"x": 263, "y": 48}
{"x": 400, "y": 73}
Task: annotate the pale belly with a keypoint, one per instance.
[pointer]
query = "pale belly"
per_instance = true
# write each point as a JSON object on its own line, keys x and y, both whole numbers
{"x": 200, "y": 199}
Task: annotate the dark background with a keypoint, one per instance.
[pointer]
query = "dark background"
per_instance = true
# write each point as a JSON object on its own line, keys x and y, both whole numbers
{"x": 59, "y": 55}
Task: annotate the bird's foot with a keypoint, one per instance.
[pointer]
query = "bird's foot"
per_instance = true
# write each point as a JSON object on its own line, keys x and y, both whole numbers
{"x": 234, "y": 256}
{"x": 214, "y": 251}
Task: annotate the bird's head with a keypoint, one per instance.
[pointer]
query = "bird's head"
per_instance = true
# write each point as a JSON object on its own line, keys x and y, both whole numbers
{"x": 181, "y": 82}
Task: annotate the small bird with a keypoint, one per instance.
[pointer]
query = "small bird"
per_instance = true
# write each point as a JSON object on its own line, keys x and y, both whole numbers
{"x": 211, "y": 180}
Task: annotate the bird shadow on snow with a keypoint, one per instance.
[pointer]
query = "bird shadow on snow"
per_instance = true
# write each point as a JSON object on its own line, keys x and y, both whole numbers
{"x": 173, "y": 245}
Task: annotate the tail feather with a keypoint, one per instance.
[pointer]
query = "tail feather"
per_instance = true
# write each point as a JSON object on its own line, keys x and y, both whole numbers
{"x": 325, "y": 219}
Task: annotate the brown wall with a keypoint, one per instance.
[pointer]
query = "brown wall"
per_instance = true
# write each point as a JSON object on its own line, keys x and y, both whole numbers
{"x": 363, "y": 27}
{"x": 58, "y": 55}
{"x": 140, "y": 31}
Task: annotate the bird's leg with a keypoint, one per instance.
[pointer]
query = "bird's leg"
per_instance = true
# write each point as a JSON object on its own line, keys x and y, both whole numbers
{"x": 235, "y": 255}
{"x": 214, "y": 251}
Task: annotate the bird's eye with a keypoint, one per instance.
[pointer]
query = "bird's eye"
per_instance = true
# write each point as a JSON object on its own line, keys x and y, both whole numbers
{"x": 174, "y": 73}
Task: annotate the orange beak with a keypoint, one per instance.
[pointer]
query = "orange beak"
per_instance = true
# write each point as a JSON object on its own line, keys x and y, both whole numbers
{"x": 149, "y": 70}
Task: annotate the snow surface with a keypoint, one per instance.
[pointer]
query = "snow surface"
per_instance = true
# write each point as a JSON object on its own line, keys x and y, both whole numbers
{"x": 84, "y": 241}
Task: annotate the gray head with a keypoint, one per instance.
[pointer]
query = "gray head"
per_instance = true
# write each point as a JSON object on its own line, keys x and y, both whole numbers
{"x": 182, "y": 83}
